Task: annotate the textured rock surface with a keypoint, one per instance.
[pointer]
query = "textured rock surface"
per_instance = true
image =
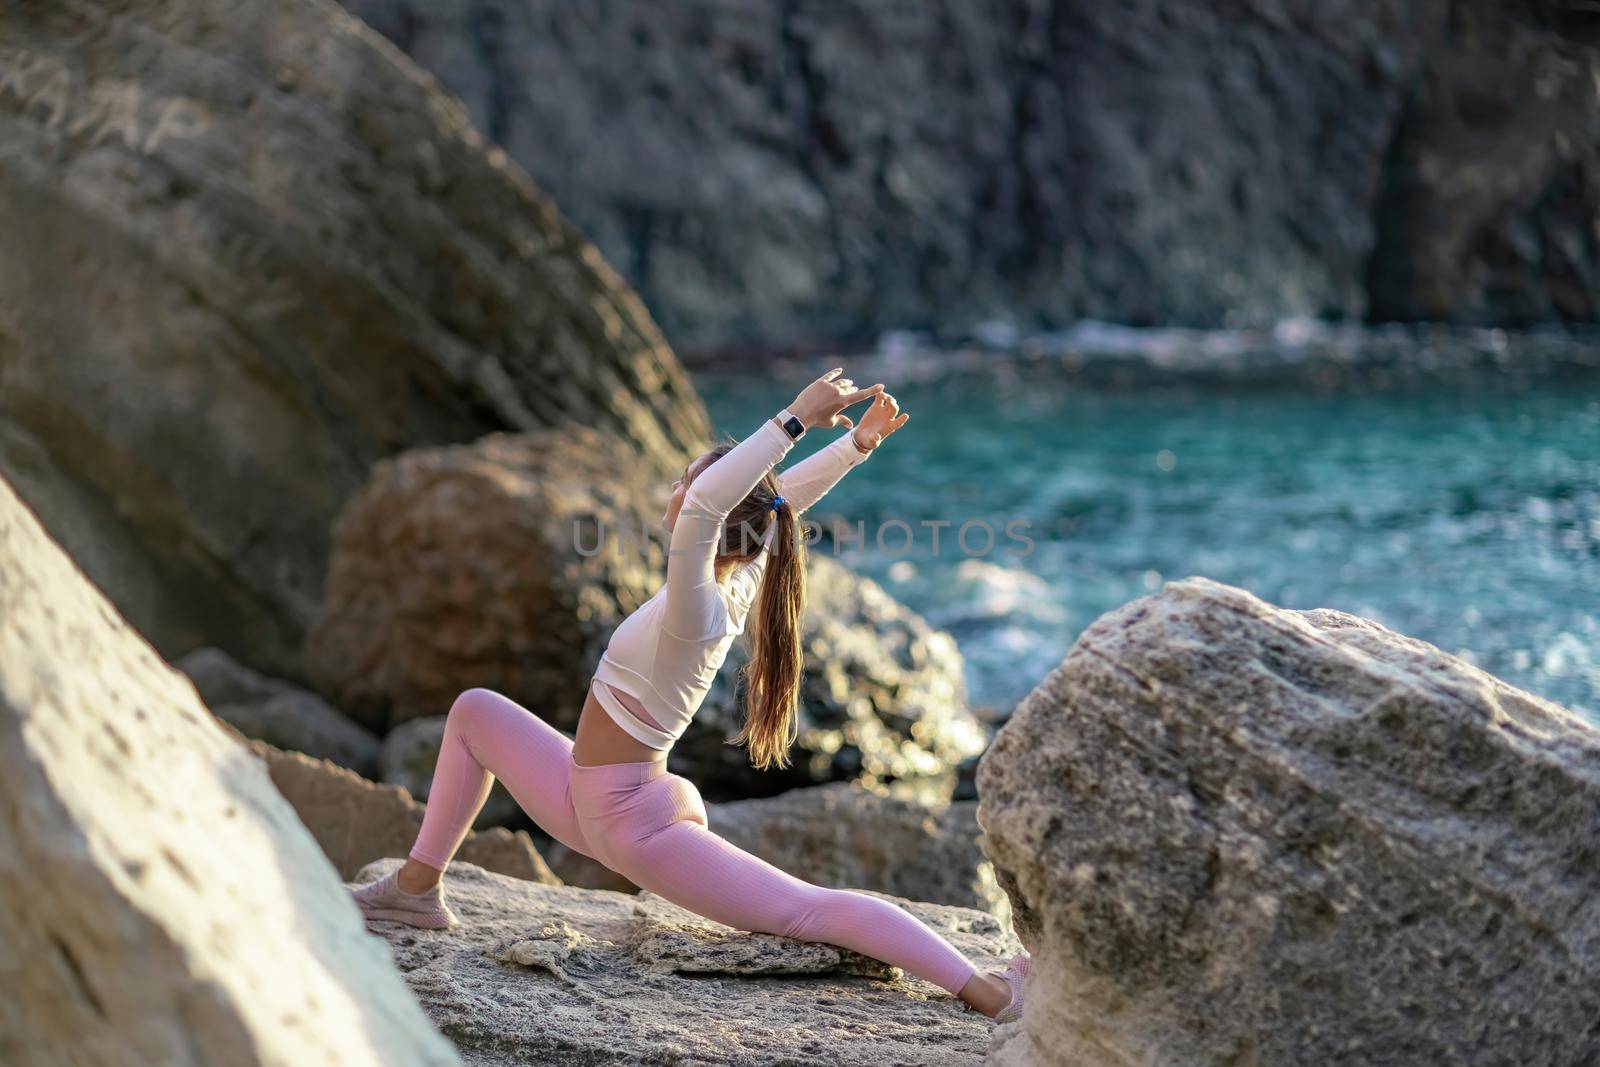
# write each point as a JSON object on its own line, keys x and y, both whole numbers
{"x": 159, "y": 902}
{"x": 1238, "y": 834}
{"x": 281, "y": 714}
{"x": 410, "y": 754}
{"x": 818, "y": 169}
{"x": 481, "y": 565}
{"x": 540, "y": 974}
{"x": 667, "y": 939}
{"x": 478, "y": 565}
{"x": 251, "y": 249}
{"x": 357, "y": 821}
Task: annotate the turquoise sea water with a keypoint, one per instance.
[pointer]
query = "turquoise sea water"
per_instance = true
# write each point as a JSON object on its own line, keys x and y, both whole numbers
{"x": 1468, "y": 517}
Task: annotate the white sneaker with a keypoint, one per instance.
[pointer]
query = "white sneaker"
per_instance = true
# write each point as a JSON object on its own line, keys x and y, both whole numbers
{"x": 1016, "y": 970}
{"x": 384, "y": 899}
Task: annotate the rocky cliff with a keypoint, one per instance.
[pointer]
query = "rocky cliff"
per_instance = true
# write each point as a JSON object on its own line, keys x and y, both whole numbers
{"x": 250, "y": 249}
{"x": 1237, "y": 834}
{"x": 811, "y": 170}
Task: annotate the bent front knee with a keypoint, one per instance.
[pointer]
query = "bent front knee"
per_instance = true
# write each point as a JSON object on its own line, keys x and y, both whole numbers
{"x": 472, "y": 702}
{"x": 470, "y": 713}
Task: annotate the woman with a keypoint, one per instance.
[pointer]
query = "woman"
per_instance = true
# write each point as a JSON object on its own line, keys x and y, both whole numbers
{"x": 734, "y": 552}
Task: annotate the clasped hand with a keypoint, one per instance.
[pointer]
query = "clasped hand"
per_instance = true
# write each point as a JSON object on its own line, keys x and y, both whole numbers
{"x": 822, "y": 403}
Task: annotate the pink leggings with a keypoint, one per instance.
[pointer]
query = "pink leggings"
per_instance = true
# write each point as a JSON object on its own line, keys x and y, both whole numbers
{"x": 650, "y": 827}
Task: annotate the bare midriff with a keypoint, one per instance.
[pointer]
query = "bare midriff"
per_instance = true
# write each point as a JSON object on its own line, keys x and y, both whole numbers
{"x": 601, "y": 741}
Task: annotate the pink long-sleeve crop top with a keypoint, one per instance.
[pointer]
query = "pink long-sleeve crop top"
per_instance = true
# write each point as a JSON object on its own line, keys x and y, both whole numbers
{"x": 667, "y": 652}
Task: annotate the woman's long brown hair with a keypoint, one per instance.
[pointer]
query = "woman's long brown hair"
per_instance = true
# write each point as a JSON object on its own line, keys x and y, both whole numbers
{"x": 773, "y": 673}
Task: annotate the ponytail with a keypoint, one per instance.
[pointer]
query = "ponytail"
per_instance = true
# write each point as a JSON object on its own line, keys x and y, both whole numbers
{"x": 774, "y": 671}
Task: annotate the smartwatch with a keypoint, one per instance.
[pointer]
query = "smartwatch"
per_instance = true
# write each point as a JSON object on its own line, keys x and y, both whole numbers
{"x": 791, "y": 425}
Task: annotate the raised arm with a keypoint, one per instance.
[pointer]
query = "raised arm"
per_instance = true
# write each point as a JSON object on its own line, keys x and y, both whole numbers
{"x": 808, "y": 481}
{"x": 693, "y": 603}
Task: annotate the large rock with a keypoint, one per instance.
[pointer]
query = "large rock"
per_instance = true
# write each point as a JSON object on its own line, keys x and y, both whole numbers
{"x": 539, "y": 974}
{"x": 251, "y": 249}
{"x": 277, "y": 712}
{"x": 477, "y": 565}
{"x": 879, "y": 166}
{"x": 1238, "y": 834}
{"x": 357, "y": 821}
{"x": 508, "y": 563}
{"x": 159, "y": 901}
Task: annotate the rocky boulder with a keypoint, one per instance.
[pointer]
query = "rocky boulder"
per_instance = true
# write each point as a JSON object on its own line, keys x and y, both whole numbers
{"x": 555, "y": 974}
{"x": 357, "y": 821}
{"x": 504, "y": 564}
{"x": 277, "y": 712}
{"x": 250, "y": 250}
{"x": 159, "y": 901}
{"x": 1234, "y": 833}
{"x": 508, "y": 563}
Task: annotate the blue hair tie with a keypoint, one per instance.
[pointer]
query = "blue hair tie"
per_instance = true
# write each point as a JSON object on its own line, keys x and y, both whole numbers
{"x": 777, "y": 502}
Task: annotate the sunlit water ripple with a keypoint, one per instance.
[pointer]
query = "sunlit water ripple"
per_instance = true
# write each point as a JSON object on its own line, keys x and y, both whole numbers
{"x": 1468, "y": 517}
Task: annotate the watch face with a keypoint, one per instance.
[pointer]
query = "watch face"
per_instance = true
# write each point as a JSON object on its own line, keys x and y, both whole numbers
{"x": 794, "y": 426}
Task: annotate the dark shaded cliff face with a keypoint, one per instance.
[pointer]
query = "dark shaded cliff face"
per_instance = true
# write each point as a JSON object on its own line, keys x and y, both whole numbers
{"x": 820, "y": 170}
{"x": 1492, "y": 208}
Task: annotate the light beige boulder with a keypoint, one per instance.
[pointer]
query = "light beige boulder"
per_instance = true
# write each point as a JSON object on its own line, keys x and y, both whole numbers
{"x": 160, "y": 904}
{"x": 555, "y": 974}
{"x": 1238, "y": 834}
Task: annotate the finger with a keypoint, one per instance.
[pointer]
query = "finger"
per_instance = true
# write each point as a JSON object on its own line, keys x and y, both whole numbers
{"x": 831, "y": 374}
{"x": 843, "y": 420}
{"x": 861, "y": 394}
{"x": 901, "y": 421}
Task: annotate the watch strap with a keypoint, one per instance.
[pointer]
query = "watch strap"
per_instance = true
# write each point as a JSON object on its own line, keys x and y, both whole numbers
{"x": 791, "y": 424}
